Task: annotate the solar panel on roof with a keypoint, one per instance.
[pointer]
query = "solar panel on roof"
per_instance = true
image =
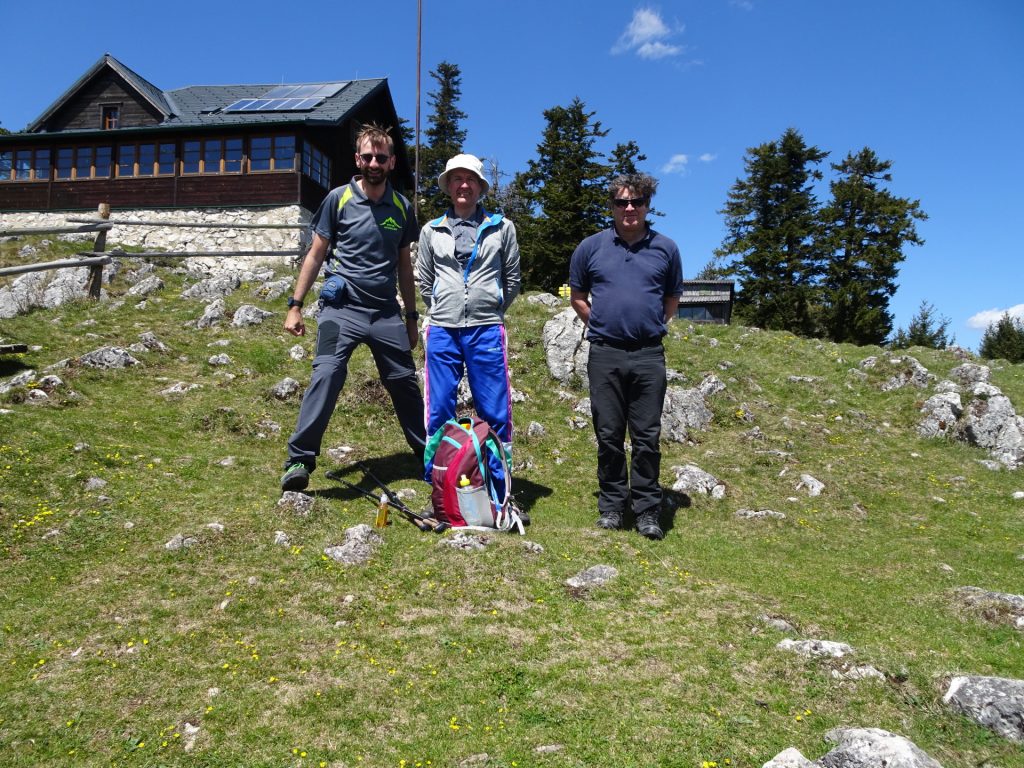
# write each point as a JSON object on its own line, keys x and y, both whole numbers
{"x": 288, "y": 98}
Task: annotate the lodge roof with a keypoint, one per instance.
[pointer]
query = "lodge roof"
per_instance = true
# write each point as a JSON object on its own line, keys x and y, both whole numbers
{"x": 204, "y": 105}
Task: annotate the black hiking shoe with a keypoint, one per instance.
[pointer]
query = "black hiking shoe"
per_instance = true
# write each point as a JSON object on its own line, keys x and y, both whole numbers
{"x": 610, "y": 521}
{"x": 295, "y": 478}
{"x": 647, "y": 526}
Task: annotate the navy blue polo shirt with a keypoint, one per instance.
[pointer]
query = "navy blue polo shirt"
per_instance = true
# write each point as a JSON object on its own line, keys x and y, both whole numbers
{"x": 365, "y": 237}
{"x": 627, "y": 285}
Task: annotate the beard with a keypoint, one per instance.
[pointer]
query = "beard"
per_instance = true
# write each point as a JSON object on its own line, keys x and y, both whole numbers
{"x": 374, "y": 175}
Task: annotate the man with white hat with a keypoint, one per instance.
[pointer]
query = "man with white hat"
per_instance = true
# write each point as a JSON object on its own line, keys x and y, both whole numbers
{"x": 467, "y": 267}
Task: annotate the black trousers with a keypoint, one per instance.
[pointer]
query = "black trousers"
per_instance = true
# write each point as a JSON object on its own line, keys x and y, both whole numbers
{"x": 627, "y": 389}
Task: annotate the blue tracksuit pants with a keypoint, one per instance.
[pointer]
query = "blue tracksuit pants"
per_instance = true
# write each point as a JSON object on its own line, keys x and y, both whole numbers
{"x": 481, "y": 352}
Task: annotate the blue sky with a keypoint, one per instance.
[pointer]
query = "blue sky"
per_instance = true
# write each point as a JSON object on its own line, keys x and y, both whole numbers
{"x": 935, "y": 86}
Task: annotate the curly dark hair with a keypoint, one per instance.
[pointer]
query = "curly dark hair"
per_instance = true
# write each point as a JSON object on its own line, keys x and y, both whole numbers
{"x": 642, "y": 185}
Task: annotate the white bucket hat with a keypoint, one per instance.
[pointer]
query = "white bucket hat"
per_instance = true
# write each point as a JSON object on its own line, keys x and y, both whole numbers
{"x": 469, "y": 163}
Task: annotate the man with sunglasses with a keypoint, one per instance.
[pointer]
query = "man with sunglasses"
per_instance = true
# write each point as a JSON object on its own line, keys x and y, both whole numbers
{"x": 625, "y": 283}
{"x": 363, "y": 230}
{"x": 467, "y": 266}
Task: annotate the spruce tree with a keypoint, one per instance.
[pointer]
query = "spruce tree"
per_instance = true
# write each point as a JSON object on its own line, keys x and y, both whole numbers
{"x": 565, "y": 187}
{"x": 1004, "y": 340}
{"x": 926, "y": 329}
{"x": 444, "y": 139}
{"x": 864, "y": 230}
{"x": 772, "y": 228}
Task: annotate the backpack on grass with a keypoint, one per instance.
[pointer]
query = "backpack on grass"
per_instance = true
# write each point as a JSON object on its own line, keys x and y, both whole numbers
{"x": 470, "y": 475}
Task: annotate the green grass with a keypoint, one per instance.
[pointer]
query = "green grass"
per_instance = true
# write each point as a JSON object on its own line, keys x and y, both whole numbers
{"x": 110, "y": 643}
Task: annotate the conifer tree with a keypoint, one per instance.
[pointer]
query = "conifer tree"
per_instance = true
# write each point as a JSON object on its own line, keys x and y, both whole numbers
{"x": 864, "y": 230}
{"x": 444, "y": 139}
{"x": 565, "y": 187}
{"x": 772, "y": 228}
{"x": 1004, "y": 339}
{"x": 926, "y": 329}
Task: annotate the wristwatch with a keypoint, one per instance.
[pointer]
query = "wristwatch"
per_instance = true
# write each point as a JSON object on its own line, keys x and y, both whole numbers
{"x": 293, "y": 302}
{"x": 412, "y": 315}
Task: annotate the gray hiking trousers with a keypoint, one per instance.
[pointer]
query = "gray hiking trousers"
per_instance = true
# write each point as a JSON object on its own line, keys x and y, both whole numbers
{"x": 339, "y": 332}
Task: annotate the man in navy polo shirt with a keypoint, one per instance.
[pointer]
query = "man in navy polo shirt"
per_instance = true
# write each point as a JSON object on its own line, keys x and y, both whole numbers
{"x": 363, "y": 230}
{"x": 625, "y": 286}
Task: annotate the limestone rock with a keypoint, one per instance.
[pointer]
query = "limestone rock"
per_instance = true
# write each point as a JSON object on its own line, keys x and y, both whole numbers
{"x": 545, "y": 299}
{"x": 212, "y": 315}
{"x": 814, "y": 648}
{"x": 285, "y": 388}
{"x": 300, "y": 503}
{"x": 247, "y": 315}
{"x": 789, "y": 758}
{"x": 873, "y": 747}
{"x": 151, "y": 343}
{"x": 594, "y": 576}
{"x": 213, "y": 287}
{"x": 361, "y": 543}
{"x": 759, "y": 514}
{"x": 812, "y": 485}
{"x": 107, "y": 358}
{"x": 910, "y": 373}
{"x": 146, "y": 286}
{"x": 971, "y": 373}
{"x": 995, "y": 702}
{"x": 941, "y": 414}
{"x": 684, "y": 410}
{"x": 565, "y": 349}
{"x": 692, "y": 479}
{"x": 465, "y": 541}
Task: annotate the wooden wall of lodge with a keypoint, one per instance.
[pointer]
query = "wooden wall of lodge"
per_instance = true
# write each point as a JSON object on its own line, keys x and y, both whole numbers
{"x": 82, "y": 112}
{"x": 273, "y": 188}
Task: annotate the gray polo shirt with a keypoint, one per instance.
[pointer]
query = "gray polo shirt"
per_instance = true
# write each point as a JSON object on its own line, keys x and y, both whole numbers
{"x": 464, "y": 233}
{"x": 365, "y": 238}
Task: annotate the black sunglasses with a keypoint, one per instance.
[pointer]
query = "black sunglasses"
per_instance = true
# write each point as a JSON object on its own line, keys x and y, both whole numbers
{"x": 636, "y": 202}
{"x": 366, "y": 157}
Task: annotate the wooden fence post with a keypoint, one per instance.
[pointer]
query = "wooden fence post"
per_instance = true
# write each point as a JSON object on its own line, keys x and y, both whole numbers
{"x": 96, "y": 271}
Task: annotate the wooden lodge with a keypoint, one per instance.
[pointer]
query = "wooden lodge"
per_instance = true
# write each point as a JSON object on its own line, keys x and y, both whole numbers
{"x": 114, "y": 137}
{"x": 707, "y": 301}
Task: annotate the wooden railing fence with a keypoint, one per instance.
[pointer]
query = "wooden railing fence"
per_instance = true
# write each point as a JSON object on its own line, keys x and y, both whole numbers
{"x": 98, "y": 257}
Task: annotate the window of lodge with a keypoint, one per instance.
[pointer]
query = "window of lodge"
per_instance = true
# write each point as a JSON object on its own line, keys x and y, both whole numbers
{"x": 25, "y": 165}
{"x": 271, "y": 153}
{"x": 316, "y": 165}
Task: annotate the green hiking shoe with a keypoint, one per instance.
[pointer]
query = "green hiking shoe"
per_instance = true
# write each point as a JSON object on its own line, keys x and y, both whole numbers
{"x": 295, "y": 478}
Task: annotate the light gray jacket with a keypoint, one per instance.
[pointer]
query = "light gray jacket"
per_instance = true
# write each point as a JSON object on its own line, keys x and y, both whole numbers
{"x": 480, "y": 293}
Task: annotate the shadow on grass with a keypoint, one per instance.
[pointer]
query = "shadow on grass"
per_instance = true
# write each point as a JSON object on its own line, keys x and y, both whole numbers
{"x": 399, "y": 467}
{"x": 10, "y": 367}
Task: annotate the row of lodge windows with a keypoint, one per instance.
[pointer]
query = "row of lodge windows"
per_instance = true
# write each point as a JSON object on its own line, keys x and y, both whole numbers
{"x": 198, "y": 156}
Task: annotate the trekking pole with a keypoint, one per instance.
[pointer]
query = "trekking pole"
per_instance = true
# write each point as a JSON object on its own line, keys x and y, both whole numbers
{"x": 420, "y": 521}
{"x": 436, "y": 525}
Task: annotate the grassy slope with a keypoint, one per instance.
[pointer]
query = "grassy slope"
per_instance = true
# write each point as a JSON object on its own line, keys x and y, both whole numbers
{"x": 110, "y": 643}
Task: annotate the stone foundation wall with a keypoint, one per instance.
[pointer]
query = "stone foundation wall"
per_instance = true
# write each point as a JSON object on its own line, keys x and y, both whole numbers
{"x": 227, "y": 238}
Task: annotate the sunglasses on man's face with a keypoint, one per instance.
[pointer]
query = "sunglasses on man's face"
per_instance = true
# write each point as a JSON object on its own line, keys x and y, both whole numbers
{"x": 636, "y": 202}
{"x": 366, "y": 157}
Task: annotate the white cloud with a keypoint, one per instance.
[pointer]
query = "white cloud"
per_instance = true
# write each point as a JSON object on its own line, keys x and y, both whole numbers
{"x": 983, "y": 320}
{"x": 657, "y": 50}
{"x": 646, "y": 35}
{"x": 746, "y": 5}
{"x": 676, "y": 164}
{"x": 707, "y": 157}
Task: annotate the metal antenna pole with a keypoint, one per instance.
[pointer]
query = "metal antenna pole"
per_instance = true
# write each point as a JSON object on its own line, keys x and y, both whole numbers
{"x": 419, "y": 49}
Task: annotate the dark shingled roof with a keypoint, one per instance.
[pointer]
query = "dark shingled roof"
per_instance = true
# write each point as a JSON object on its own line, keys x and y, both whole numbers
{"x": 203, "y": 105}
